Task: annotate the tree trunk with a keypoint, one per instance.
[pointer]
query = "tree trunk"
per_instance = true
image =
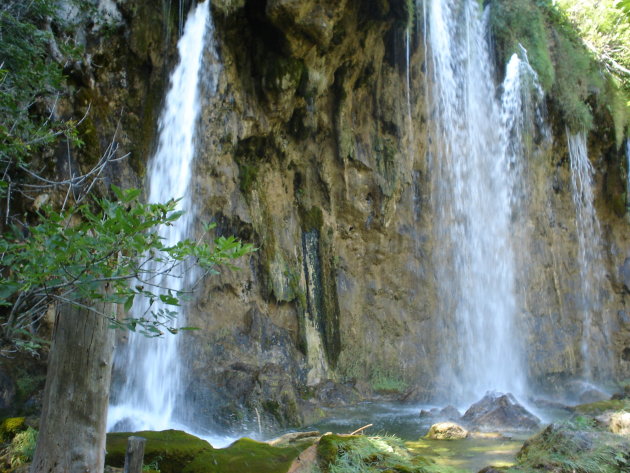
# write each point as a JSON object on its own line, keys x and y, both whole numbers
{"x": 74, "y": 413}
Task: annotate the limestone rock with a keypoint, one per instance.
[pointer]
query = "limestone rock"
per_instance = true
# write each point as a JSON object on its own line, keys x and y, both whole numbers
{"x": 620, "y": 423}
{"x": 447, "y": 431}
{"x": 500, "y": 411}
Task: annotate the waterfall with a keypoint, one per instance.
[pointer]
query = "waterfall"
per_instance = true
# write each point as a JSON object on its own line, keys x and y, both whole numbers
{"x": 475, "y": 159}
{"x": 589, "y": 243}
{"x": 628, "y": 177}
{"x": 150, "y": 367}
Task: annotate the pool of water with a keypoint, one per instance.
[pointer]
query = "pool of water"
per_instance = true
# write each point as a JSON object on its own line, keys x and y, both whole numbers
{"x": 403, "y": 420}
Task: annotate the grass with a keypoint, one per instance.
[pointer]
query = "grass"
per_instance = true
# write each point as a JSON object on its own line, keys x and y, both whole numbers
{"x": 23, "y": 447}
{"x": 360, "y": 454}
{"x": 576, "y": 446}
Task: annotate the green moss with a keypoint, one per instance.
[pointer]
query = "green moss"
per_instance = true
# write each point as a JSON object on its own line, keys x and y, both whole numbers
{"x": 10, "y": 427}
{"x": 578, "y": 76}
{"x": 618, "y": 106}
{"x": 312, "y": 219}
{"x": 572, "y": 447}
{"x": 566, "y": 68}
{"x": 385, "y": 151}
{"x": 27, "y": 384}
{"x": 523, "y": 22}
{"x": 282, "y": 74}
{"x": 246, "y": 455}
{"x": 173, "y": 449}
{"x": 247, "y": 176}
{"x": 22, "y": 447}
{"x": 90, "y": 150}
{"x": 331, "y": 315}
{"x": 388, "y": 382}
{"x": 596, "y": 408}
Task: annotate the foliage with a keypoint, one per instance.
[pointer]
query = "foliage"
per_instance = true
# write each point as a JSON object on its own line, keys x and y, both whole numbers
{"x": 387, "y": 381}
{"x": 154, "y": 466}
{"x": 10, "y": 427}
{"x": 575, "y": 446}
{"x": 23, "y": 447}
{"x": 604, "y": 30}
{"x": 29, "y": 80}
{"x": 360, "y": 454}
{"x": 624, "y": 5}
{"x": 572, "y": 46}
{"x": 70, "y": 255}
{"x": 599, "y": 407}
{"x": 522, "y": 22}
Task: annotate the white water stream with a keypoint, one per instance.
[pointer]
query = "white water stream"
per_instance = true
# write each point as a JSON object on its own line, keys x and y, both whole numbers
{"x": 151, "y": 367}
{"x": 476, "y": 161}
{"x": 589, "y": 248}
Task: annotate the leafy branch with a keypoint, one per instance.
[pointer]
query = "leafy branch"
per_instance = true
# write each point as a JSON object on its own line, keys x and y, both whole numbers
{"x": 71, "y": 254}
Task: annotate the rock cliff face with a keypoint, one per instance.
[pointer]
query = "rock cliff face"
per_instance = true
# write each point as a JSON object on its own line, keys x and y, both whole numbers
{"x": 313, "y": 148}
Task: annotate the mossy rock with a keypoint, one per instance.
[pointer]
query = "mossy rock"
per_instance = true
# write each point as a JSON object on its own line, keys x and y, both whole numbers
{"x": 246, "y": 455}
{"x": 573, "y": 446}
{"x": 10, "y": 427}
{"x": 597, "y": 408}
{"x": 171, "y": 449}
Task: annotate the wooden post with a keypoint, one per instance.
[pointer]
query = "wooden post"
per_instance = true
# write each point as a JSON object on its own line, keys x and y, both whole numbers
{"x": 134, "y": 455}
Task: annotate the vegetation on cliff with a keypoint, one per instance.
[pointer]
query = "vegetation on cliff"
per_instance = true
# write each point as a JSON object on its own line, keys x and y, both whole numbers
{"x": 578, "y": 51}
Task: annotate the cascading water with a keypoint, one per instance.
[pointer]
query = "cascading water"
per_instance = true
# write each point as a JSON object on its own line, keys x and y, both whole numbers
{"x": 151, "y": 367}
{"x": 589, "y": 244}
{"x": 475, "y": 162}
{"x": 628, "y": 177}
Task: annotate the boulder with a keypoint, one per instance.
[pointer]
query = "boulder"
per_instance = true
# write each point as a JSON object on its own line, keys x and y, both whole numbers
{"x": 446, "y": 431}
{"x": 584, "y": 392}
{"x": 500, "y": 411}
{"x": 173, "y": 450}
{"x": 592, "y": 395}
{"x": 620, "y": 423}
{"x": 448, "y": 413}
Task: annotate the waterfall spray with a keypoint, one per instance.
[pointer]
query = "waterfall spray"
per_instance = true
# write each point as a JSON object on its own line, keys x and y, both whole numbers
{"x": 476, "y": 161}
{"x": 589, "y": 244}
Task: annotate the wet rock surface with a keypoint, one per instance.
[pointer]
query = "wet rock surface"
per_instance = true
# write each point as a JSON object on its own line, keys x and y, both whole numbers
{"x": 446, "y": 431}
{"x": 448, "y": 413}
{"x": 499, "y": 411}
{"x": 312, "y": 132}
{"x": 620, "y": 423}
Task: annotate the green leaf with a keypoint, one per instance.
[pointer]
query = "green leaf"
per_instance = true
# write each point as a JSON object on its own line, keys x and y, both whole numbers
{"x": 129, "y": 302}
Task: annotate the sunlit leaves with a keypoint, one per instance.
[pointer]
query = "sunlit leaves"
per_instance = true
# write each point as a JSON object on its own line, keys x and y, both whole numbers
{"x": 70, "y": 255}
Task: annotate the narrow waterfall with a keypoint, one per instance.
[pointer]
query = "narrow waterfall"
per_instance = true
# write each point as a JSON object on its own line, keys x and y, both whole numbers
{"x": 475, "y": 160}
{"x": 150, "y": 367}
{"x": 628, "y": 177}
{"x": 589, "y": 243}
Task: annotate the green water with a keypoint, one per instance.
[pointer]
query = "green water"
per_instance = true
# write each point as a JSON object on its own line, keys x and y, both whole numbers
{"x": 470, "y": 455}
{"x": 403, "y": 420}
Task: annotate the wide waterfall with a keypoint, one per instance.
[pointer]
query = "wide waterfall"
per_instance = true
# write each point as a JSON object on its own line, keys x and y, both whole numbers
{"x": 476, "y": 159}
{"x": 591, "y": 273}
{"x": 150, "y": 368}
